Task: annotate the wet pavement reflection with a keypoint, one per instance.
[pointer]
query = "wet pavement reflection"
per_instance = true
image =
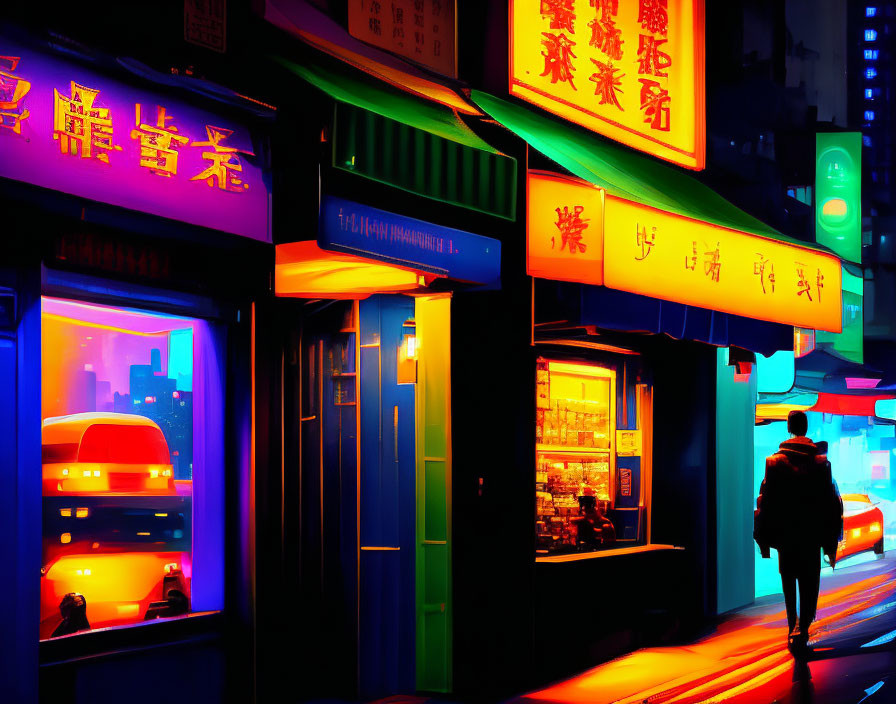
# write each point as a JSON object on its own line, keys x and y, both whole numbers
{"x": 852, "y": 655}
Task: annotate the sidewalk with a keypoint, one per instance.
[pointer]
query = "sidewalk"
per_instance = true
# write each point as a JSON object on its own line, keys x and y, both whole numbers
{"x": 746, "y": 659}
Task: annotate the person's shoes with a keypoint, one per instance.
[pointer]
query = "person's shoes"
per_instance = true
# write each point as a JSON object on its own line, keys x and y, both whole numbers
{"x": 798, "y": 640}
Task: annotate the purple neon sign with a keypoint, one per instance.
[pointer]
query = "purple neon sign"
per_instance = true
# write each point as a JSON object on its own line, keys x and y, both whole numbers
{"x": 70, "y": 129}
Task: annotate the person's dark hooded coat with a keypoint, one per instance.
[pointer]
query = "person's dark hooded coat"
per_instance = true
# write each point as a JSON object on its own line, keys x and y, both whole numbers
{"x": 798, "y": 507}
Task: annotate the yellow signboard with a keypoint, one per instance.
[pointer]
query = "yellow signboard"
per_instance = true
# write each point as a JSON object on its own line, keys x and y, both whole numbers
{"x": 631, "y": 70}
{"x": 564, "y": 229}
{"x": 658, "y": 254}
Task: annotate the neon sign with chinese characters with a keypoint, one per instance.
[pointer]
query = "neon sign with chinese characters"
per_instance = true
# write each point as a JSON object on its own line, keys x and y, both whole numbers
{"x": 70, "y": 129}
{"x": 631, "y": 70}
{"x": 564, "y": 229}
{"x": 658, "y": 254}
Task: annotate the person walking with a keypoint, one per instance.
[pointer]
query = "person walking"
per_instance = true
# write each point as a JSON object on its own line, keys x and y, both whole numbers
{"x": 799, "y": 513}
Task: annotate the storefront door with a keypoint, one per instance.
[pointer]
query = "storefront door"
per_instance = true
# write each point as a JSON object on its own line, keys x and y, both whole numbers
{"x": 387, "y": 499}
{"x": 375, "y": 493}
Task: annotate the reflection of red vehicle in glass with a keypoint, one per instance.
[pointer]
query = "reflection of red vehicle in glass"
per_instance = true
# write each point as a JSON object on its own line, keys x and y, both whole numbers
{"x": 863, "y": 525}
{"x": 119, "y": 587}
{"x": 103, "y": 453}
{"x": 116, "y": 526}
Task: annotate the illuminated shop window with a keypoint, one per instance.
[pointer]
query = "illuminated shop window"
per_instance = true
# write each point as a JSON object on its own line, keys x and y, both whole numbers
{"x": 869, "y": 115}
{"x": 870, "y": 11}
{"x": 870, "y": 35}
{"x": 870, "y": 72}
{"x": 132, "y": 433}
{"x": 870, "y": 54}
{"x": 869, "y": 94}
{"x": 592, "y": 473}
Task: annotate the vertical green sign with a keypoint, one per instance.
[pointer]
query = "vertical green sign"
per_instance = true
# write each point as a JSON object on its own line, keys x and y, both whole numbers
{"x": 838, "y": 193}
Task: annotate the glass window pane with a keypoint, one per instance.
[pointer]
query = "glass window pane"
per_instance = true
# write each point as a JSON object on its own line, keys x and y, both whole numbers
{"x": 119, "y": 543}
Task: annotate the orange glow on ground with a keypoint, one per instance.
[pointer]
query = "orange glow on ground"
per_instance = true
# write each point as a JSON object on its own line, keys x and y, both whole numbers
{"x": 745, "y": 659}
{"x": 304, "y": 270}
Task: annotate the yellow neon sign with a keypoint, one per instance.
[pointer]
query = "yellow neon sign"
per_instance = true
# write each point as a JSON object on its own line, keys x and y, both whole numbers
{"x": 658, "y": 254}
{"x": 564, "y": 229}
{"x": 632, "y": 71}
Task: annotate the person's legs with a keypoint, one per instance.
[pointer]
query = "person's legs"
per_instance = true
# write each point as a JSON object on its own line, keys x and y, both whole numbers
{"x": 809, "y": 580}
{"x": 788, "y": 586}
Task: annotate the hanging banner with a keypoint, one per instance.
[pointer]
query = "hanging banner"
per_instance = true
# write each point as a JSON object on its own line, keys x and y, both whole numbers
{"x": 564, "y": 229}
{"x": 658, "y": 254}
{"x": 631, "y": 70}
{"x": 424, "y": 31}
{"x": 68, "y": 128}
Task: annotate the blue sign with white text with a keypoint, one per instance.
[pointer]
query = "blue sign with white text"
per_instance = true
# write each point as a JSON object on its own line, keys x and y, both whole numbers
{"x": 353, "y": 228}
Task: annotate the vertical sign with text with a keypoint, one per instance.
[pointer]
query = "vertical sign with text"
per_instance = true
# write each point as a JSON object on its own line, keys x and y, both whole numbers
{"x": 424, "y": 31}
{"x": 205, "y": 23}
{"x": 630, "y": 70}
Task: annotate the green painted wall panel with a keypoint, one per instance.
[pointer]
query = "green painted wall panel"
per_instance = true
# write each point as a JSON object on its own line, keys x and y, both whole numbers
{"x": 434, "y": 607}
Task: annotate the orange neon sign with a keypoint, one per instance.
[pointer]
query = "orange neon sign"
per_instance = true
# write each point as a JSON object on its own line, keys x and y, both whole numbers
{"x": 564, "y": 229}
{"x": 632, "y": 71}
{"x": 658, "y": 254}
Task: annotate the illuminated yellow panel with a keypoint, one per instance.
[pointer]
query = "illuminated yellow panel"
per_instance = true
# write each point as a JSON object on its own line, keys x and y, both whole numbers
{"x": 564, "y": 229}
{"x": 304, "y": 270}
{"x": 658, "y": 254}
{"x": 777, "y": 411}
{"x": 631, "y": 75}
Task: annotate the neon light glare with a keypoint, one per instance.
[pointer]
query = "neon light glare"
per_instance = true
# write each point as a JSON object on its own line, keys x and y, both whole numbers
{"x": 853, "y": 382}
{"x": 304, "y": 270}
{"x": 870, "y": 11}
{"x": 870, "y": 54}
{"x": 870, "y": 35}
{"x": 870, "y": 72}
{"x": 869, "y": 93}
{"x": 834, "y": 208}
{"x": 869, "y": 115}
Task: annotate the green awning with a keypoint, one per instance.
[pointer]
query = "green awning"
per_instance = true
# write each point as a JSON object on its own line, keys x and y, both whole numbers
{"x": 351, "y": 86}
{"x": 623, "y": 172}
